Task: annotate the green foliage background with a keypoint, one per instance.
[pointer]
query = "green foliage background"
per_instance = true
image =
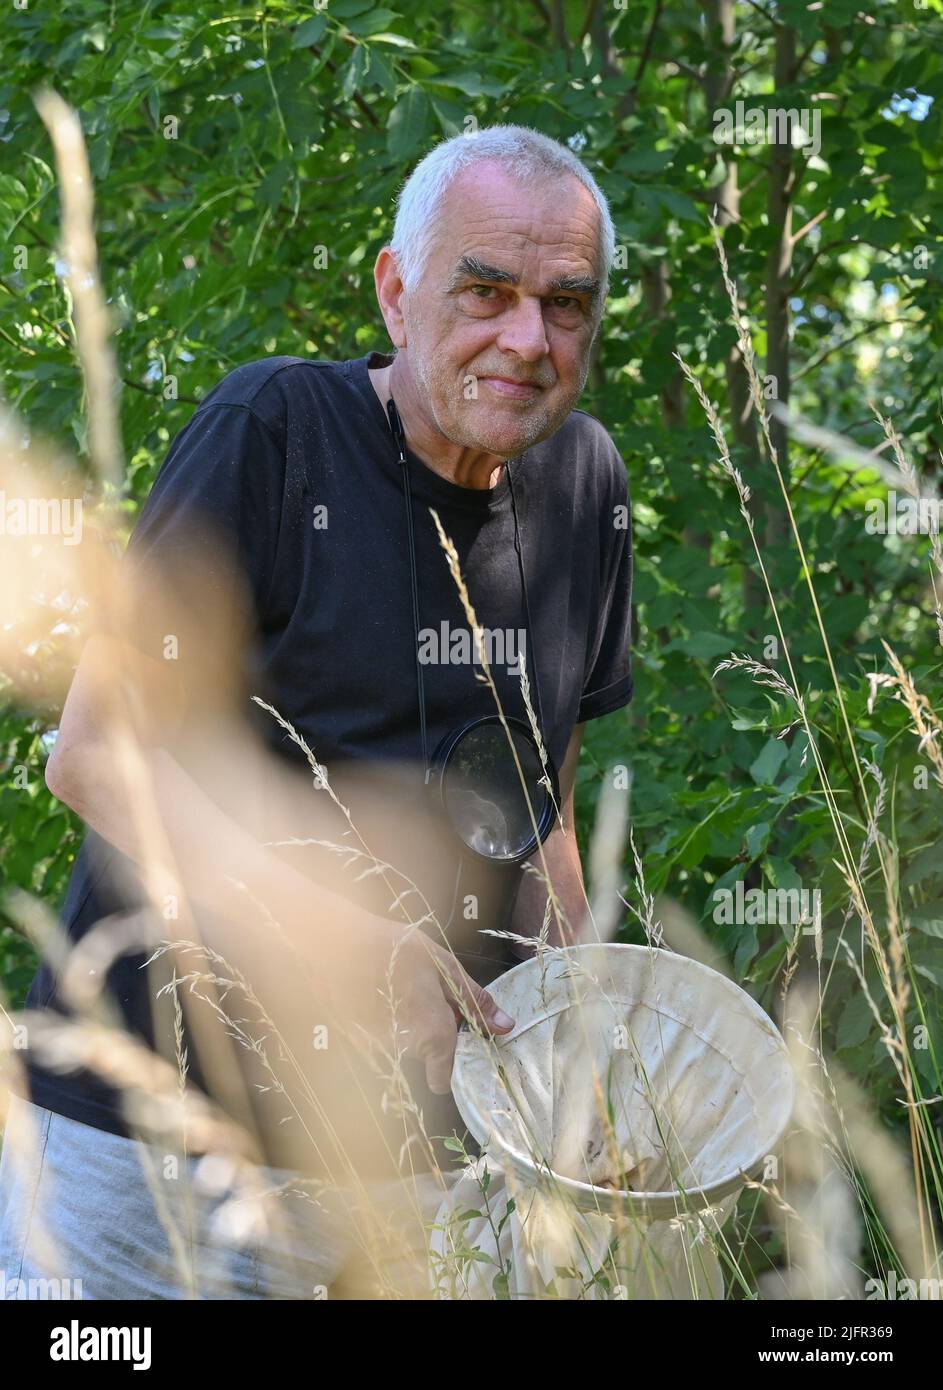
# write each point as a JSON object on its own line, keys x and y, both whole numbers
{"x": 229, "y": 145}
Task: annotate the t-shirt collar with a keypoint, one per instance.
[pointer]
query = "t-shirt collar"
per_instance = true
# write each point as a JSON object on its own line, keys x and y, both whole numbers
{"x": 423, "y": 480}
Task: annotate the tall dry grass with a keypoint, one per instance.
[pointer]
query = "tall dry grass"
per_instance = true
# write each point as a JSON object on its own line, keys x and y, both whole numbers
{"x": 844, "y": 1193}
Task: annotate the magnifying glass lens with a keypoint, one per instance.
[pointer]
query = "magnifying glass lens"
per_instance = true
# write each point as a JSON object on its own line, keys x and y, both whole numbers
{"x": 484, "y": 796}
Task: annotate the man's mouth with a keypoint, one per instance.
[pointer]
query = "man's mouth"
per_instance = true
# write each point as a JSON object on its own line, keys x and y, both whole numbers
{"x": 511, "y": 388}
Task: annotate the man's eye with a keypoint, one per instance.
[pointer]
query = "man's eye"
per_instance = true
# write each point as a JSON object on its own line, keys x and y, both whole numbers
{"x": 480, "y": 291}
{"x": 565, "y": 301}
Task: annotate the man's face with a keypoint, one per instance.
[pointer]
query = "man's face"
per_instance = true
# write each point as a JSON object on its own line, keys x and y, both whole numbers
{"x": 499, "y": 329}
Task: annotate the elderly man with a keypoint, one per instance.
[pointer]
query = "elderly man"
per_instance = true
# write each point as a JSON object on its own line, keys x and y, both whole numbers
{"x": 323, "y": 477}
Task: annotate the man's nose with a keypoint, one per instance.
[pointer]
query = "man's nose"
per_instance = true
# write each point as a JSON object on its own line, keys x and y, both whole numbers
{"x": 523, "y": 331}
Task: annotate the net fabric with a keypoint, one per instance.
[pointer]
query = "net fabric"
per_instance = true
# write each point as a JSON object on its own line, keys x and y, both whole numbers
{"x": 619, "y": 1118}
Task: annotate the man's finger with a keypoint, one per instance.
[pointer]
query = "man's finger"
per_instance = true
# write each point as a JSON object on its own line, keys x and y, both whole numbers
{"x": 439, "y": 1054}
{"x": 439, "y": 1073}
{"x": 469, "y": 1000}
{"x": 436, "y": 1047}
{"x": 497, "y": 1019}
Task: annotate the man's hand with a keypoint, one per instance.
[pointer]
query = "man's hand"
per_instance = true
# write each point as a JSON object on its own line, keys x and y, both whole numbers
{"x": 433, "y": 995}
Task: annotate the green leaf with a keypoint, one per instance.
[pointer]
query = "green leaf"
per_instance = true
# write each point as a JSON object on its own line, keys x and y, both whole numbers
{"x": 645, "y": 161}
{"x": 397, "y": 40}
{"x": 49, "y": 836}
{"x": 857, "y": 1022}
{"x": 746, "y": 949}
{"x": 757, "y": 838}
{"x": 354, "y": 72}
{"x": 270, "y": 189}
{"x": 374, "y": 22}
{"x": 782, "y": 874}
{"x": 764, "y": 769}
{"x": 310, "y": 32}
{"x": 472, "y": 84}
{"x": 927, "y": 971}
{"x": 381, "y": 74}
{"x": 450, "y": 115}
{"x": 930, "y": 926}
{"x": 409, "y": 121}
{"x": 705, "y": 645}
{"x": 927, "y": 864}
{"x": 680, "y": 204}
{"x": 97, "y": 36}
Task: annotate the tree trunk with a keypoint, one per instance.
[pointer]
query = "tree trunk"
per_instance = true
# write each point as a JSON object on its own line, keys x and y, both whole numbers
{"x": 718, "y": 86}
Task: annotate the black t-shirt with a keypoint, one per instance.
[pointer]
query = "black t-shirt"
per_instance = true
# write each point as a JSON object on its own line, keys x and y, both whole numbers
{"x": 292, "y": 461}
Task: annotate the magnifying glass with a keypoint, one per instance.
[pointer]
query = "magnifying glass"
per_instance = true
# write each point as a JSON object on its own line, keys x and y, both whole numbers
{"x": 483, "y": 789}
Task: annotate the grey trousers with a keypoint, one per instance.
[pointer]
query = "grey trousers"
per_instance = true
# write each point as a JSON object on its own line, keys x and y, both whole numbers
{"x": 92, "y": 1215}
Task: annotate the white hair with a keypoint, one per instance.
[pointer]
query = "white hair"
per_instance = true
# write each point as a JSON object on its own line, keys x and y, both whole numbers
{"x": 524, "y": 154}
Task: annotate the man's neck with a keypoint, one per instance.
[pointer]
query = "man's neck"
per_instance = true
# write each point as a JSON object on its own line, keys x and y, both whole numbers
{"x": 466, "y": 467}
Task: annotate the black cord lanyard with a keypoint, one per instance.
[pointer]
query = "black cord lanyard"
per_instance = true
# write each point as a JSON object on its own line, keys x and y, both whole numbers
{"x": 396, "y": 426}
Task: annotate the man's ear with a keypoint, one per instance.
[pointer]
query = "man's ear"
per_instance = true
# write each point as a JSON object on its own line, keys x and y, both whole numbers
{"x": 390, "y": 293}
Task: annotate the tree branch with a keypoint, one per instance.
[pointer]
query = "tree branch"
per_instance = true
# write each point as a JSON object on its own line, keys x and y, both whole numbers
{"x": 852, "y": 338}
{"x": 628, "y": 102}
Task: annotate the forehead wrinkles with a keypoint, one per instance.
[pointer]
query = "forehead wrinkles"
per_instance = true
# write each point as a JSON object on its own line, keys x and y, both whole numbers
{"x": 486, "y": 224}
{"x": 544, "y": 246}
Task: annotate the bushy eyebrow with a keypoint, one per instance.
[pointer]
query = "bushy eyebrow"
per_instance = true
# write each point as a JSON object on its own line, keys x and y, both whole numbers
{"x": 575, "y": 284}
{"x": 471, "y": 268}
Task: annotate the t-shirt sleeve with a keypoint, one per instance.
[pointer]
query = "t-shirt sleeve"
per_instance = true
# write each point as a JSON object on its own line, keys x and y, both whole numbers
{"x": 609, "y": 682}
{"x": 206, "y": 538}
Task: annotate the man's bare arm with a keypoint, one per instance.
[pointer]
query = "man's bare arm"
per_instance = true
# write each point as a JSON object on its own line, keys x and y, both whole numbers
{"x": 134, "y": 792}
{"x": 129, "y": 788}
{"x": 563, "y": 867}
